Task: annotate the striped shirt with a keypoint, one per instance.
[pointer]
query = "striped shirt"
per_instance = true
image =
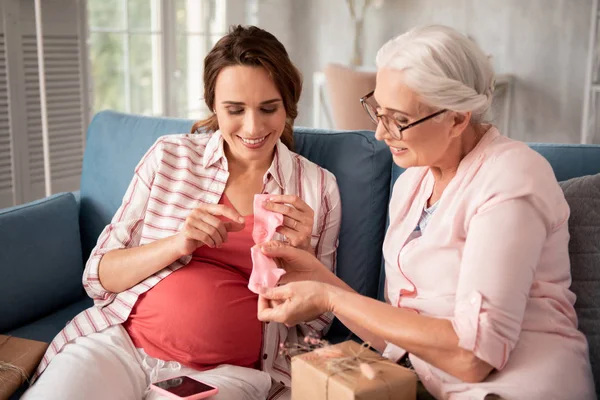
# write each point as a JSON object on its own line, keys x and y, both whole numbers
{"x": 178, "y": 173}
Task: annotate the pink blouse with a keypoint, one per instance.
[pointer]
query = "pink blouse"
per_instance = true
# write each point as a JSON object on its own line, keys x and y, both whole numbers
{"x": 493, "y": 260}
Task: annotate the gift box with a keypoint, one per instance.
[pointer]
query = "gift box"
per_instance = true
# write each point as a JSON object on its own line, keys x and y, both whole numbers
{"x": 18, "y": 360}
{"x": 350, "y": 371}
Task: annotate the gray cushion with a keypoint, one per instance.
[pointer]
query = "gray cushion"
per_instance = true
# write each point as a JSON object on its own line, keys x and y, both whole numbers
{"x": 583, "y": 196}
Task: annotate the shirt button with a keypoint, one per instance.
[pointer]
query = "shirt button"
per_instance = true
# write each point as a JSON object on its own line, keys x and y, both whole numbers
{"x": 473, "y": 300}
{"x": 428, "y": 378}
{"x": 265, "y": 356}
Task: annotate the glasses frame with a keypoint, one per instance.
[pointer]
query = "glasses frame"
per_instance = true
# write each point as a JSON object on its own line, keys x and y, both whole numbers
{"x": 401, "y": 128}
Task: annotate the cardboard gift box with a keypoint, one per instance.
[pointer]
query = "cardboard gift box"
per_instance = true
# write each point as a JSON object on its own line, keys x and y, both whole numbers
{"x": 23, "y": 354}
{"x": 349, "y": 371}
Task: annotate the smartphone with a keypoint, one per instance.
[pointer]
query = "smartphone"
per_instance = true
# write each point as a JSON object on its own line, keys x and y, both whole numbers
{"x": 184, "y": 387}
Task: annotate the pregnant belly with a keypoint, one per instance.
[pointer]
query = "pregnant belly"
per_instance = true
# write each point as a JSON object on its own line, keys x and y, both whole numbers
{"x": 202, "y": 315}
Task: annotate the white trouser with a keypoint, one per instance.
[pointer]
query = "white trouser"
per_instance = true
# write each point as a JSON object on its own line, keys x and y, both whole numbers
{"x": 106, "y": 365}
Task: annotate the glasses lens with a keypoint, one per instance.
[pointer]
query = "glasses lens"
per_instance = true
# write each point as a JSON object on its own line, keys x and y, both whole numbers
{"x": 371, "y": 111}
{"x": 391, "y": 126}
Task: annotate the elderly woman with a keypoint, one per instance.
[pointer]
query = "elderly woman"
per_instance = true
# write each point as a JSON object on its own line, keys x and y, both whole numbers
{"x": 476, "y": 255}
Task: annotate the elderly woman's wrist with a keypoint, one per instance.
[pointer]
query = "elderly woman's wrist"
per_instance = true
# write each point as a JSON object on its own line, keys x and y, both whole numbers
{"x": 334, "y": 296}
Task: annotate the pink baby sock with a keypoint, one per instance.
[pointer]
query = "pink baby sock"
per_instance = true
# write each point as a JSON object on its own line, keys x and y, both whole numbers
{"x": 264, "y": 269}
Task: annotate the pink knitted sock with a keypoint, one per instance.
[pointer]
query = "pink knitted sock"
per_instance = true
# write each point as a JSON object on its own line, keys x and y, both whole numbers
{"x": 265, "y": 272}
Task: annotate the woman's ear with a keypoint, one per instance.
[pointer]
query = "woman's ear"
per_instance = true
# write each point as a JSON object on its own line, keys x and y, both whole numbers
{"x": 459, "y": 123}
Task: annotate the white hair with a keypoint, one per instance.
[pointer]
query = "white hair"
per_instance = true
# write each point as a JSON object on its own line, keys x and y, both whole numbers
{"x": 447, "y": 69}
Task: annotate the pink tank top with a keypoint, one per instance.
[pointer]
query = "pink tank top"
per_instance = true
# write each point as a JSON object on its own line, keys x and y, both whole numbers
{"x": 203, "y": 315}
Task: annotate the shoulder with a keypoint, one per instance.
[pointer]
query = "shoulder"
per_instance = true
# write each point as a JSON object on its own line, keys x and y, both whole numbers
{"x": 172, "y": 148}
{"x": 513, "y": 165}
{"x": 184, "y": 143}
{"x": 312, "y": 173}
{"x": 514, "y": 154}
{"x": 511, "y": 170}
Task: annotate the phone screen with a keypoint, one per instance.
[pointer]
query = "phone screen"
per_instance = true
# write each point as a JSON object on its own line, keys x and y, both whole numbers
{"x": 183, "y": 386}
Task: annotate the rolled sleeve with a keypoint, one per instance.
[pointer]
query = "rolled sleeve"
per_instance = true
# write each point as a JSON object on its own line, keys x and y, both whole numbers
{"x": 466, "y": 320}
{"x": 125, "y": 229}
{"x": 502, "y": 251}
{"x": 393, "y": 352}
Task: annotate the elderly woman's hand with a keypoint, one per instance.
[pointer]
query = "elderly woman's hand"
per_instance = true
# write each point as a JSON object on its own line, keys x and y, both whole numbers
{"x": 300, "y": 265}
{"x": 295, "y": 302}
{"x": 298, "y": 219}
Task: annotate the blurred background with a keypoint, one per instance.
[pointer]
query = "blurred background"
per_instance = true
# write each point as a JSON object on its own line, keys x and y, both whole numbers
{"x": 146, "y": 57}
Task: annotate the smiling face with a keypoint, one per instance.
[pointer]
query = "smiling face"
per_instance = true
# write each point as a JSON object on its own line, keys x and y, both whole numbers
{"x": 250, "y": 112}
{"x": 425, "y": 144}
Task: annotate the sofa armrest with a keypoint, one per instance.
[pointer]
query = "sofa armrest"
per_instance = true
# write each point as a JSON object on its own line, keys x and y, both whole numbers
{"x": 77, "y": 195}
{"x": 40, "y": 261}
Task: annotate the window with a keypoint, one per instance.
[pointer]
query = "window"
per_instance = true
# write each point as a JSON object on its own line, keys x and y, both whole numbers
{"x": 22, "y": 162}
{"x": 146, "y": 56}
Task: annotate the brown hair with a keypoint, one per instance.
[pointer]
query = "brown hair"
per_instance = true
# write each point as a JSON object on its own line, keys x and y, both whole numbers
{"x": 255, "y": 47}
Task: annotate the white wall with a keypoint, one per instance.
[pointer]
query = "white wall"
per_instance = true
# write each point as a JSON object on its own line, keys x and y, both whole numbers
{"x": 542, "y": 42}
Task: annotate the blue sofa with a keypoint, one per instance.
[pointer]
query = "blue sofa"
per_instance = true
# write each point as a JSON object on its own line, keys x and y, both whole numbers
{"x": 44, "y": 244}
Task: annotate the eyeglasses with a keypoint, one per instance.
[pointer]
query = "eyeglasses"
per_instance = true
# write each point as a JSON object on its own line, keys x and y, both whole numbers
{"x": 389, "y": 123}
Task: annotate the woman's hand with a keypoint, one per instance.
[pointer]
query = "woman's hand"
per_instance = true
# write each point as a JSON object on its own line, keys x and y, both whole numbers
{"x": 295, "y": 302}
{"x": 298, "y": 219}
{"x": 203, "y": 227}
{"x": 300, "y": 265}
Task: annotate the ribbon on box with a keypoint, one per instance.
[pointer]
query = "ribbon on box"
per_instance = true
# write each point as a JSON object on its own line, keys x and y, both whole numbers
{"x": 13, "y": 371}
{"x": 337, "y": 362}
{"x": 340, "y": 364}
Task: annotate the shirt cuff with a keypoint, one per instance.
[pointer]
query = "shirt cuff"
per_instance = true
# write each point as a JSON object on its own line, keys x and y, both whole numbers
{"x": 476, "y": 332}
{"x": 393, "y": 352}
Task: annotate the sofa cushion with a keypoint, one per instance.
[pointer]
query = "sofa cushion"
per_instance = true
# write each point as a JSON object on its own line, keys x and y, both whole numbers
{"x": 583, "y": 196}
{"x": 570, "y": 160}
{"x": 41, "y": 254}
{"x": 115, "y": 144}
{"x": 45, "y": 329}
{"x": 362, "y": 167}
